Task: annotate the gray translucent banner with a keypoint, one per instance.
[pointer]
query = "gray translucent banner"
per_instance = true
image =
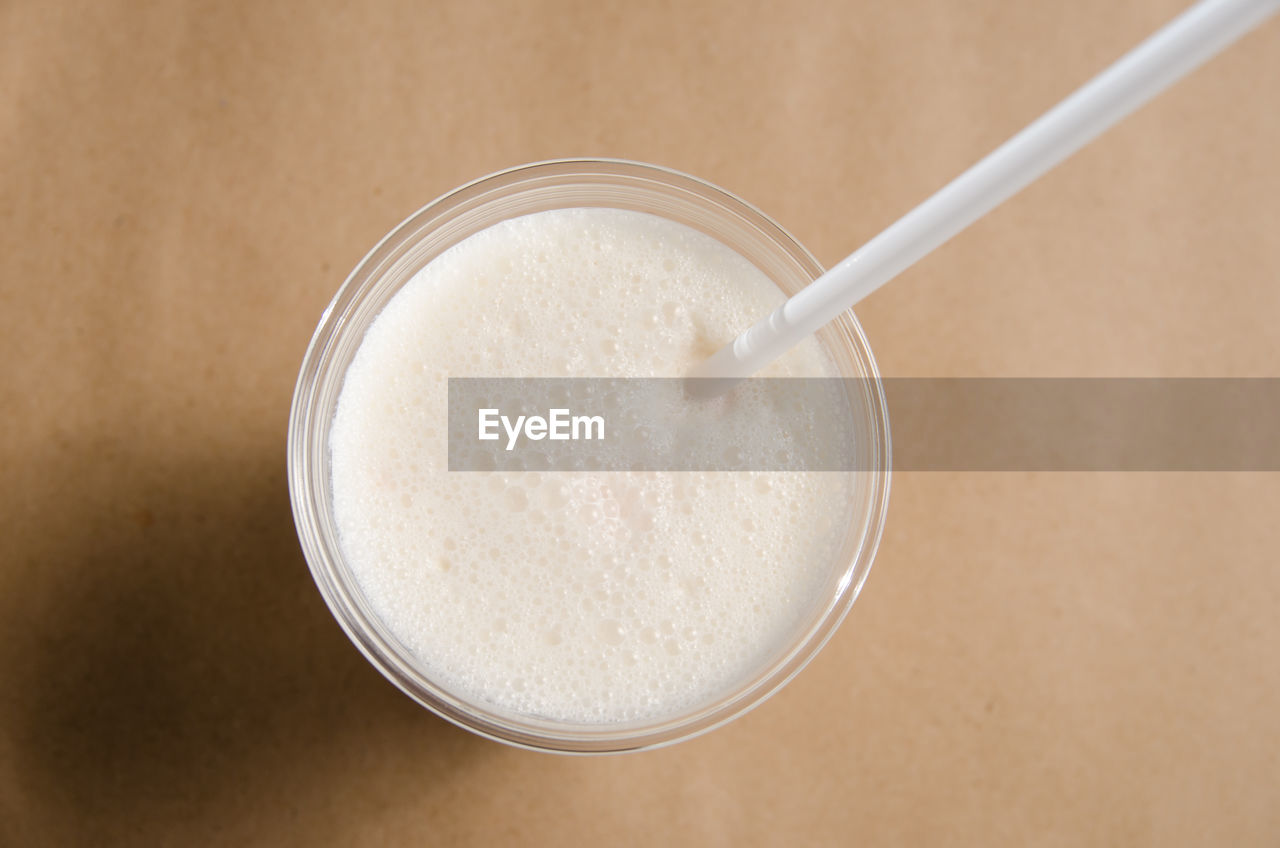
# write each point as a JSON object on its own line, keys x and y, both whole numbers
{"x": 1130, "y": 424}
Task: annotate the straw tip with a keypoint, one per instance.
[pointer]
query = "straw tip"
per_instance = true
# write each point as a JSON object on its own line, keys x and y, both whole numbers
{"x": 724, "y": 363}
{"x": 715, "y": 375}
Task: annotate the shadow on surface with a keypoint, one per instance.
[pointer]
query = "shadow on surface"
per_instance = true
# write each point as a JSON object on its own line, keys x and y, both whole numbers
{"x": 175, "y": 666}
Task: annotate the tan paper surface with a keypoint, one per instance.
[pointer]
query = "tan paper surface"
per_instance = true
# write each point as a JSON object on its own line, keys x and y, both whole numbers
{"x": 1037, "y": 659}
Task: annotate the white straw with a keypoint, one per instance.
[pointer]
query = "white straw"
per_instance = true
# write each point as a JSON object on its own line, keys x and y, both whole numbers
{"x": 1164, "y": 58}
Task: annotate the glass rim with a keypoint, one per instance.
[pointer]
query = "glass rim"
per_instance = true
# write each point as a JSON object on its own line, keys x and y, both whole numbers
{"x": 308, "y": 455}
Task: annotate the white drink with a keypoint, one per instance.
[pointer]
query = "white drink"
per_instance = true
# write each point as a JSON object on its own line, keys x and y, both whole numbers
{"x": 577, "y": 597}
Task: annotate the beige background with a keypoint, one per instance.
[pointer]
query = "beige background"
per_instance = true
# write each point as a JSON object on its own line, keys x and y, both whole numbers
{"x": 1038, "y": 659}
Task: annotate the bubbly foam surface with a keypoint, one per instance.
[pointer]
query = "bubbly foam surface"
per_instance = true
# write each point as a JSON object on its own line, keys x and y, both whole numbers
{"x": 576, "y": 597}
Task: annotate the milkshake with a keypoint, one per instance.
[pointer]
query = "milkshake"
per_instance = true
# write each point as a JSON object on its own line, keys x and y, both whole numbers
{"x": 595, "y": 602}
